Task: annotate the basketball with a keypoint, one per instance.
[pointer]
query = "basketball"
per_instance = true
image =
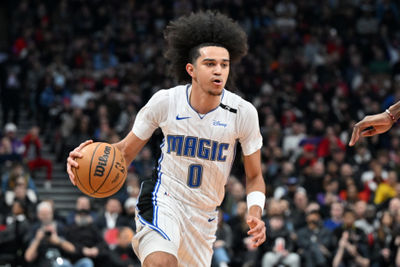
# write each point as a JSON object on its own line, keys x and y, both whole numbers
{"x": 101, "y": 171}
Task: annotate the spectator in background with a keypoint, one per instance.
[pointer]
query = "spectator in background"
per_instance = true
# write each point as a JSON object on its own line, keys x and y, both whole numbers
{"x": 80, "y": 132}
{"x": 69, "y": 118}
{"x": 11, "y": 148}
{"x": 386, "y": 189}
{"x": 11, "y": 94}
{"x": 126, "y": 119}
{"x": 144, "y": 164}
{"x": 396, "y": 238}
{"x": 82, "y": 205}
{"x": 9, "y": 177}
{"x": 330, "y": 194}
{"x": 130, "y": 211}
{"x": 23, "y": 194}
{"x": 223, "y": 244}
{"x": 346, "y": 173}
{"x": 397, "y": 189}
{"x": 235, "y": 193}
{"x": 279, "y": 249}
{"x": 351, "y": 195}
{"x": 291, "y": 141}
{"x": 362, "y": 155}
{"x": 372, "y": 177}
{"x": 46, "y": 242}
{"x": 336, "y": 216}
{"x": 329, "y": 143}
{"x": 12, "y": 239}
{"x": 112, "y": 217}
{"x": 365, "y": 216}
{"x": 351, "y": 243}
{"x": 315, "y": 241}
{"x": 104, "y": 59}
{"x": 394, "y": 205}
{"x": 298, "y": 211}
{"x": 382, "y": 251}
{"x": 35, "y": 159}
{"x": 122, "y": 254}
{"x": 288, "y": 190}
{"x": 242, "y": 251}
{"x": 307, "y": 159}
{"x": 80, "y": 96}
{"x": 87, "y": 240}
{"x": 52, "y": 97}
{"x": 314, "y": 178}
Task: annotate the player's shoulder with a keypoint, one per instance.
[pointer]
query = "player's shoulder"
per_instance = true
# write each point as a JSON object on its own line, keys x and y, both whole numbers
{"x": 237, "y": 102}
{"x": 166, "y": 93}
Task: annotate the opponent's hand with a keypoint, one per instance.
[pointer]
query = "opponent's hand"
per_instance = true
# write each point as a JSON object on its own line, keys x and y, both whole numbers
{"x": 71, "y": 159}
{"x": 257, "y": 230}
{"x": 380, "y": 123}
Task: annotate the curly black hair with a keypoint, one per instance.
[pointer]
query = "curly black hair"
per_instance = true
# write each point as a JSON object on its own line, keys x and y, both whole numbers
{"x": 186, "y": 35}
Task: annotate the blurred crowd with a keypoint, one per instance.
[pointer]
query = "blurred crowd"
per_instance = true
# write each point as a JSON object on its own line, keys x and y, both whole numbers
{"x": 82, "y": 69}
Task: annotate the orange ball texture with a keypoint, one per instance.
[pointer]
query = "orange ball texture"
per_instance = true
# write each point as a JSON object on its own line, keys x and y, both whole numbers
{"x": 101, "y": 171}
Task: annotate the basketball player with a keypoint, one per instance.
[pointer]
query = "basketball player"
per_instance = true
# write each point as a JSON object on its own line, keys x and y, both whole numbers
{"x": 375, "y": 124}
{"x": 201, "y": 122}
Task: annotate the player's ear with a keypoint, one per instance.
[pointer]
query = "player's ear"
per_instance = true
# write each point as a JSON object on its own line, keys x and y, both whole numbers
{"x": 190, "y": 69}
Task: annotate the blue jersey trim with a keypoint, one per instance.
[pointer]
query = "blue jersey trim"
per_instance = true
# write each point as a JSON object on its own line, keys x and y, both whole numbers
{"x": 140, "y": 191}
{"x": 155, "y": 228}
{"x": 157, "y": 187}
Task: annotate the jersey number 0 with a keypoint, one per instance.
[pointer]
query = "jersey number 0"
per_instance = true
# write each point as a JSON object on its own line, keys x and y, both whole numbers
{"x": 195, "y": 174}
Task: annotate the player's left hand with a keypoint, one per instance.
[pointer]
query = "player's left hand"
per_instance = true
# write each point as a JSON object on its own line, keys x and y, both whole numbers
{"x": 257, "y": 230}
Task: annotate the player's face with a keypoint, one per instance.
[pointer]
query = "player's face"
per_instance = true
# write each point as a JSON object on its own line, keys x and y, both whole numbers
{"x": 211, "y": 69}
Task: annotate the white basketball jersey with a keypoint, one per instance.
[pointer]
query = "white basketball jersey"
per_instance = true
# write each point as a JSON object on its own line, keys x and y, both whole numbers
{"x": 198, "y": 150}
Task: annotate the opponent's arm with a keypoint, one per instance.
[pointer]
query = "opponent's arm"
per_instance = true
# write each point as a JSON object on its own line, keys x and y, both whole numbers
{"x": 255, "y": 189}
{"x": 379, "y": 123}
{"x": 395, "y": 110}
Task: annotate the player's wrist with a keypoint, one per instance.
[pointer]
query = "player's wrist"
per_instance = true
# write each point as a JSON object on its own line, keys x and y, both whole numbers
{"x": 256, "y": 198}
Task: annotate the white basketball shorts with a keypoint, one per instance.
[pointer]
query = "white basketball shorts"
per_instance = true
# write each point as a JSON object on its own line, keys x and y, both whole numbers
{"x": 165, "y": 224}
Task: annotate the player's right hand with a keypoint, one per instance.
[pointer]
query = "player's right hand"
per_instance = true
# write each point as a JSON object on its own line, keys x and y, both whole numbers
{"x": 71, "y": 162}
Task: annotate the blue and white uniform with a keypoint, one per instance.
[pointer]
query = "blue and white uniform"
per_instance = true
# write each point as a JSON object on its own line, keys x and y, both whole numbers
{"x": 197, "y": 153}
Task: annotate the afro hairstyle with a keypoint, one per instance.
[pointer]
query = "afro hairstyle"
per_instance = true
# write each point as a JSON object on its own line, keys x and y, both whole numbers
{"x": 186, "y": 35}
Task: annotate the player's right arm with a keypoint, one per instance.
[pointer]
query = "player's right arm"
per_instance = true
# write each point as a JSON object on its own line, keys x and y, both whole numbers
{"x": 130, "y": 146}
{"x": 147, "y": 120}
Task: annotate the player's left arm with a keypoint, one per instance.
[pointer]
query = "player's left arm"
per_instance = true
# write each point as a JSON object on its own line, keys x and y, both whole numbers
{"x": 255, "y": 189}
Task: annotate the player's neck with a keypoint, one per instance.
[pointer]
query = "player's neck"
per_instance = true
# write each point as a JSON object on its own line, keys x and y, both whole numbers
{"x": 202, "y": 101}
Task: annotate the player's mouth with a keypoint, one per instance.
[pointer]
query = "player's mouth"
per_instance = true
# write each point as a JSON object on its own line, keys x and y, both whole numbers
{"x": 217, "y": 82}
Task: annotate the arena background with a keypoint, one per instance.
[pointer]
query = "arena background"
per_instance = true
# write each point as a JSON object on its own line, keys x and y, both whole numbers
{"x": 79, "y": 69}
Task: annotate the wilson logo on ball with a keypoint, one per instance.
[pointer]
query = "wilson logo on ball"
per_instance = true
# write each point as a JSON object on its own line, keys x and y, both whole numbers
{"x": 102, "y": 170}
{"x": 99, "y": 171}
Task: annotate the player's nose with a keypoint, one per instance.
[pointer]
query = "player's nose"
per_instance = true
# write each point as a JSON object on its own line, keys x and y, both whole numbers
{"x": 217, "y": 70}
